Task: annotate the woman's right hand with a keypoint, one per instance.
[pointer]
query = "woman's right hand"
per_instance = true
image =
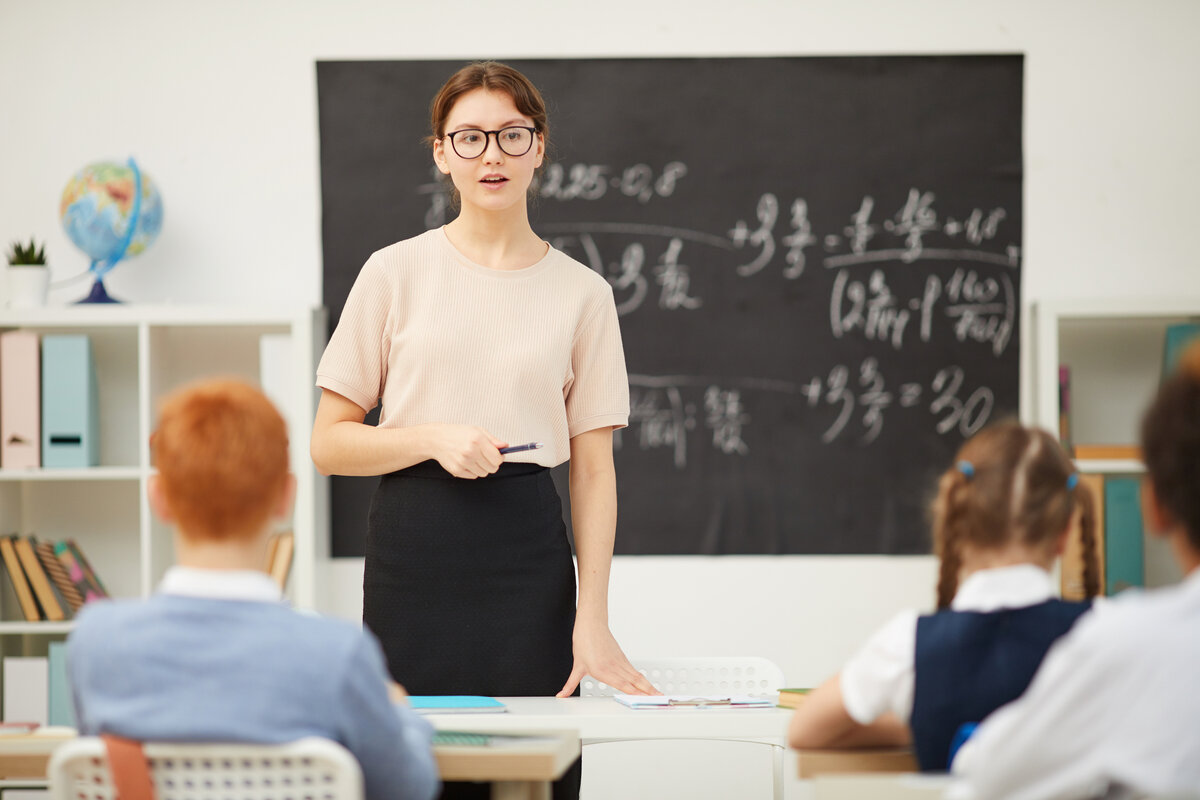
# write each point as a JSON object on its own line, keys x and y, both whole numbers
{"x": 466, "y": 451}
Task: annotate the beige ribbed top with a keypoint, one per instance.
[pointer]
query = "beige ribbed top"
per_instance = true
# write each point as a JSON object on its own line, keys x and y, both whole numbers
{"x": 530, "y": 355}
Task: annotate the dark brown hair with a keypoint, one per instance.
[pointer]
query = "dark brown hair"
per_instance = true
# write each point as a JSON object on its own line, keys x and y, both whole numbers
{"x": 1171, "y": 444}
{"x": 494, "y": 77}
{"x": 1014, "y": 484}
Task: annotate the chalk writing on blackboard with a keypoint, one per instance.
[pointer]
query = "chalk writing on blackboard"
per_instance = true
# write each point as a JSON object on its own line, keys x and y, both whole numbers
{"x": 665, "y": 411}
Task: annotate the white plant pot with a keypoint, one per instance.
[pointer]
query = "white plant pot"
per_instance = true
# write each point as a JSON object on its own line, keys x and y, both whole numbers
{"x": 28, "y": 285}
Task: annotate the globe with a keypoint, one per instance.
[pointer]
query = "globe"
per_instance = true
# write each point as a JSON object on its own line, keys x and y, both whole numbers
{"x": 111, "y": 212}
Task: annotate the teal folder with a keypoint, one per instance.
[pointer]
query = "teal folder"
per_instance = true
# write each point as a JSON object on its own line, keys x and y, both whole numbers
{"x": 455, "y": 704}
{"x": 1123, "y": 547}
{"x": 70, "y": 422}
{"x": 61, "y": 710}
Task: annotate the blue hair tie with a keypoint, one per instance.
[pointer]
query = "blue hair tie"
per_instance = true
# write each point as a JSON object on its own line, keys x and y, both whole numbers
{"x": 1072, "y": 481}
{"x": 966, "y": 468}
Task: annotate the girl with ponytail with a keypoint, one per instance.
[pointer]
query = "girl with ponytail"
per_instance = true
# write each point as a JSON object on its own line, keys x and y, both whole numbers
{"x": 1113, "y": 710}
{"x": 1001, "y": 518}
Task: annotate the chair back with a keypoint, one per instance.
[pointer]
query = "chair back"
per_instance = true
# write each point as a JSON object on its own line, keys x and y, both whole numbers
{"x": 307, "y": 769}
{"x": 701, "y": 675}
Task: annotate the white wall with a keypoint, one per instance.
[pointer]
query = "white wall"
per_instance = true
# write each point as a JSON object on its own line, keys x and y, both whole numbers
{"x": 217, "y": 100}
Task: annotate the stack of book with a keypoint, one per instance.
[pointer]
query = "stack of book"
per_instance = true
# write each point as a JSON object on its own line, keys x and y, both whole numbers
{"x": 51, "y": 580}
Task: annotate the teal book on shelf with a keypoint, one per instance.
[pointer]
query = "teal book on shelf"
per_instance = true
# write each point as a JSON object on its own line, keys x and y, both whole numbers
{"x": 1178, "y": 337}
{"x": 1124, "y": 564}
{"x": 61, "y": 710}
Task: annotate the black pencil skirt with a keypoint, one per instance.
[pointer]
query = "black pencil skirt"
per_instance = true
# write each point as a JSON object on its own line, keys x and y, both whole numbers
{"x": 470, "y": 587}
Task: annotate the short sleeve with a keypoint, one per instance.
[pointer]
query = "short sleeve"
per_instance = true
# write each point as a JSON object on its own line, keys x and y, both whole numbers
{"x": 355, "y": 361}
{"x": 598, "y": 395}
{"x": 879, "y": 677}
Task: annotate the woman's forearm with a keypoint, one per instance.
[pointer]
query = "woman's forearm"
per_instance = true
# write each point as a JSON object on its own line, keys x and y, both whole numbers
{"x": 593, "y": 486}
{"x": 346, "y": 447}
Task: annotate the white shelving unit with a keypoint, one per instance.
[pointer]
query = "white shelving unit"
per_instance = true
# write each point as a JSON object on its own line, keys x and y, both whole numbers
{"x": 142, "y": 353}
{"x": 1114, "y": 349}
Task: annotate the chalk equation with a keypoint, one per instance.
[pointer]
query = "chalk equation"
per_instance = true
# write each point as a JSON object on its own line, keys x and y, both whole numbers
{"x": 981, "y": 308}
{"x": 902, "y": 237}
{"x": 669, "y": 412}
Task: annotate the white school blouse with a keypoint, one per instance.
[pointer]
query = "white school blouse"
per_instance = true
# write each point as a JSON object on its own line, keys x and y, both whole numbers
{"x": 1114, "y": 709}
{"x": 879, "y": 678}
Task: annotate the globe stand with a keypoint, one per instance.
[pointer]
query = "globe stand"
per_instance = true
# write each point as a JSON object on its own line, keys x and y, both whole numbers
{"x": 97, "y": 295}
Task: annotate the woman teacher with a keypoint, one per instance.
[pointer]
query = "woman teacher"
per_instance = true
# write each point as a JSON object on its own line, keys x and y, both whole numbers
{"x": 476, "y": 336}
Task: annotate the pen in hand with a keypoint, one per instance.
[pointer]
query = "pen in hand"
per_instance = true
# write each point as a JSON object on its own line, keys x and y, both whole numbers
{"x": 517, "y": 448}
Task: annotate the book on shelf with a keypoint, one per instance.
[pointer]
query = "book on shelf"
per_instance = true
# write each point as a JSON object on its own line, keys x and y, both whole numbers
{"x": 60, "y": 703}
{"x": 26, "y": 689}
{"x": 38, "y": 580}
{"x": 790, "y": 698}
{"x": 1064, "y": 406}
{"x": 20, "y": 400}
{"x": 58, "y": 576}
{"x": 280, "y": 548}
{"x": 1127, "y": 452}
{"x": 79, "y": 571}
{"x": 1124, "y": 564}
{"x": 1071, "y": 568}
{"x": 17, "y": 579}
{"x": 1175, "y": 340}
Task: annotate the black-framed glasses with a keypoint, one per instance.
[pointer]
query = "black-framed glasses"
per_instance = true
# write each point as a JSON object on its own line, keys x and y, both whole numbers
{"x": 515, "y": 140}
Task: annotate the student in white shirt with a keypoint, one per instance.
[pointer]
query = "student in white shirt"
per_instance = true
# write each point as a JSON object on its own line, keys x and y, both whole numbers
{"x": 1114, "y": 710}
{"x": 1001, "y": 518}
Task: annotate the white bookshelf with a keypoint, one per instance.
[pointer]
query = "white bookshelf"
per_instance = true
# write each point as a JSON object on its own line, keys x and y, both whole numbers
{"x": 1114, "y": 349}
{"x": 141, "y": 353}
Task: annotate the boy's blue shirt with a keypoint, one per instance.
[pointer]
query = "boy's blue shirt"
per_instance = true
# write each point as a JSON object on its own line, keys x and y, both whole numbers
{"x": 195, "y": 668}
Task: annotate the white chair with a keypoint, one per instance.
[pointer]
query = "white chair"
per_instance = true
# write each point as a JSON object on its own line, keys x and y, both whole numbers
{"x": 707, "y": 675}
{"x": 749, "y": 675}
{"x": 306, "y": 769}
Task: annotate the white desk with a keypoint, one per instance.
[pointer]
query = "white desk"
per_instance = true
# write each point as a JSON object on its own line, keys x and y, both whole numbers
{"x": 603, "y": 719}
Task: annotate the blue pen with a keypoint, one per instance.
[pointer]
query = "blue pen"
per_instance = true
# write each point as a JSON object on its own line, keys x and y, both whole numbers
{"x": 517, "y": 448}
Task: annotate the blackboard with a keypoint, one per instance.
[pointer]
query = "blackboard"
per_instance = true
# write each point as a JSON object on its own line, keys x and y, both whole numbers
{"x": 817, "y": 263}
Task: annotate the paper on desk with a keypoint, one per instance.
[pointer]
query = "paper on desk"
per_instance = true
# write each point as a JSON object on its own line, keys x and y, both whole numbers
{"x": 693, "y": 701}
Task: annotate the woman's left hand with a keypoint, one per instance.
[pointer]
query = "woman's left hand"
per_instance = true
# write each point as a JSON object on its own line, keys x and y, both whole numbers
{"x": 598, "y": 654}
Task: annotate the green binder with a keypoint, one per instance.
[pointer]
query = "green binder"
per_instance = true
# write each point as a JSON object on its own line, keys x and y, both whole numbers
{"x": 1123, "y": 550}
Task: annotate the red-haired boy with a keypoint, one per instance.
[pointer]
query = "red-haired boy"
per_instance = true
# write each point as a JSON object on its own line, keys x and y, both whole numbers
{"x": 215, "y": 654}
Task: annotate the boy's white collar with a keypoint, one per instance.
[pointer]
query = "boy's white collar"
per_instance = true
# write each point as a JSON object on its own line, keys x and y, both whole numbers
{"x": 221, "y": 584}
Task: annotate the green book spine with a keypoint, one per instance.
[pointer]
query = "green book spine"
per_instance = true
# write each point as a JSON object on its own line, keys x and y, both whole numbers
{"x": 1123, "y": 549}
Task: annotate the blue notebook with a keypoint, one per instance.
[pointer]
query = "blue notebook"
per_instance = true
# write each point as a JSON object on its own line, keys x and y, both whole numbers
{"x": 455, "y": 704}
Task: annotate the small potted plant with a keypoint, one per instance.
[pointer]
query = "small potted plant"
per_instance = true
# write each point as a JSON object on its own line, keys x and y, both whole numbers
{"x": 28, "y": 276}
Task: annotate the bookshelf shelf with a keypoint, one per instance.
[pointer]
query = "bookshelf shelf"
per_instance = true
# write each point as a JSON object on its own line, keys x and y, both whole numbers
{"x": 142, "y": 353}
{"x": 89, "y": 474}
{"x": 48, "y": 628}
{"x": 1110, "y": 466}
